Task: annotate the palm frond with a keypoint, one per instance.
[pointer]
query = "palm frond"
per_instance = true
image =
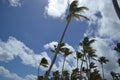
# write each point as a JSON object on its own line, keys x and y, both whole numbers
{"x": 80, "y": 9}
{"x": 44, "y": 62}
{"x": 91, "y": 41}
{"x": 73, "y": 5}
{"x": 84, "y": 17}
{"x": 76, "y": 16}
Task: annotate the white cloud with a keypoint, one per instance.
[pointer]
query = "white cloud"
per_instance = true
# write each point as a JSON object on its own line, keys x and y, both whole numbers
{"x": 6, "y": 73}
{"x": 51, "y": 45}
{"x": 104, "y": 47}
{"x": 56, "y": 8}
{"x": 15, "y": 3}
{"x": 13, "y": 48}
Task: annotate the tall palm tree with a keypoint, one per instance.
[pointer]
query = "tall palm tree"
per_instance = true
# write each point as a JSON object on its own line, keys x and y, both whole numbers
{"x": 103, "y": 60}
{"x": 116, "y": 7}
{"x": 79, "y": 55}
{"x": 43, "y": 63}
{"x": 66, "y": 52}
{"x": 89, "y": 53}
{"x": 73, "y": 12}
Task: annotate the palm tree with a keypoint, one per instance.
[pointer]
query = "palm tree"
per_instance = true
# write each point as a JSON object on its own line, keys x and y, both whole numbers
{"x": 115, "y": 76}
{"x": 43, "y": 63}
{"x": 56, "y": 75}
{"x": 116, "y": 7}
{"x": 95, "y": 75}
{"x": 75, "y": 74}
{"x": 66, "y": 75}
{"x": 73, "y": 12}
{"x": 87, "y": 49}
{"x": 66, "y": 52}
{"x": 103, "y": 60}
{"x": 79, "y": 55}
{"x": 89, "y": 53}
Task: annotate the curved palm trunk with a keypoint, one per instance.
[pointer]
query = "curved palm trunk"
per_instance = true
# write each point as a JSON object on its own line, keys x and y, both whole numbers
{"x": 55, "y": 56}
{"x": 63, "y": 67}
{"x": 116, "y": 7}
{"x": 102, "y": 71}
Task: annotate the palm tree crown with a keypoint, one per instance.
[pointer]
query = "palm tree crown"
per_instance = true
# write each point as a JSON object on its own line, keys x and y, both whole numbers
{"x": 103, "y": 60}
{"x": 74, "y": 11}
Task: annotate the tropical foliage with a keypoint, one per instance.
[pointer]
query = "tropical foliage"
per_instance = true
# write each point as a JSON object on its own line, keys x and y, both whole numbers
{"x": 74, "y": 11}
{"x": 86, "y": 57}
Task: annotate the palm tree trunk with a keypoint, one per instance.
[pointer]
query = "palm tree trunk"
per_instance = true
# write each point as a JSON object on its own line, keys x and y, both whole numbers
{"x": 55, "y": 56}
{"x": 63, "y": 67}
{"x": 89, "y": 73}
{"x": 87, "y": 67}
{"x": 81, "y": 69}
{"x": 102, "y": 71}
{"x": 77, "y": 63}
{"x": 63, "y": 64}
{"x": 81, "y": 66}
{"x": 116, "y": 7}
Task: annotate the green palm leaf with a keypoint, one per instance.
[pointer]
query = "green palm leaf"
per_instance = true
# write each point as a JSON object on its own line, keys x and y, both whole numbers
{"x": 79, "y": 9}
{"x": 74, "y": 11}
{"x": 44, "y": 62}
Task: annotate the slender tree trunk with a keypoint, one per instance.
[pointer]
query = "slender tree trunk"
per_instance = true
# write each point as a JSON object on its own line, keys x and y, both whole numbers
{"x": 89, "y": 67}
{"x": 63, "y": 67}
{"x": 77, "y": 63}
{"x": 81, "y": 66}
{"x": 116, "y": 7}
{"x": 55, "y": 56}
{"x": 81, "y": 69}
{"x": 102, "y": 71}
{"x": 63, "y": 64}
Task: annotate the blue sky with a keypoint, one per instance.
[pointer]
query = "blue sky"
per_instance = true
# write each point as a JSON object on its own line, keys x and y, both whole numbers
{"x": 29, "y": 27}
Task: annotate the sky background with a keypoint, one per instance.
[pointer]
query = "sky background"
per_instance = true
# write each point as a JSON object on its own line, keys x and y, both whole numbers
{"x": 28, "y": 28}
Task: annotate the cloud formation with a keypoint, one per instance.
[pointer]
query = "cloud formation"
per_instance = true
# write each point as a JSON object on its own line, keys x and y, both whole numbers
{"x": 6, "y": 73}
{"x": 103, "y": 26}
{"x": 15, "y": 3}
{"x": 13, "y": 48}
{"x": 56, "y": 8}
